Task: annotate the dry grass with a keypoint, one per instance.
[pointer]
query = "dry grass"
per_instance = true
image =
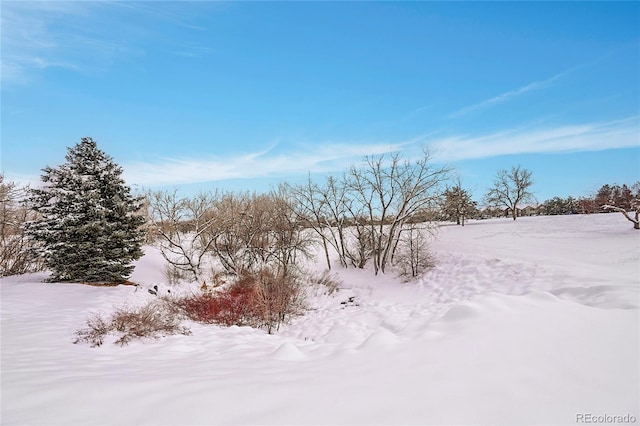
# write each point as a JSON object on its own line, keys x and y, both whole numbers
{"x": 328, "y": 280}
{"x": 153, "y": 320}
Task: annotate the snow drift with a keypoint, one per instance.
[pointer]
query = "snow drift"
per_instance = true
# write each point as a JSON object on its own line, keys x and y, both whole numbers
{"x": 527, "y": 322}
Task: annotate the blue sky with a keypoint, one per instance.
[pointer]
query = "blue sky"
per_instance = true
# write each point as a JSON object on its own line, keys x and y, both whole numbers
{"x": 243, "y": 95}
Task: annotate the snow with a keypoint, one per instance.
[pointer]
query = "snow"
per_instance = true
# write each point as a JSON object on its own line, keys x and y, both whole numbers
{"x": 527, "y": 322}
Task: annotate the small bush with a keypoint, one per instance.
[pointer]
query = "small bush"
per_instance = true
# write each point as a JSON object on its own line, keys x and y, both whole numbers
{"x": 260, "y": 299}
{"x": 277, "y": 296}
{"x": 231, "y": 306}
{"x": 95, "y": 332}
{"x": 154, "y": 320}
{"x": 412, "y": 257}
{"x": 410, "y": 267}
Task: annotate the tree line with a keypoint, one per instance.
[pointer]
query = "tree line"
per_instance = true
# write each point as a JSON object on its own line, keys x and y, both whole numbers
{"x": 84, "y": 223}
{"x": 510, "y": 196}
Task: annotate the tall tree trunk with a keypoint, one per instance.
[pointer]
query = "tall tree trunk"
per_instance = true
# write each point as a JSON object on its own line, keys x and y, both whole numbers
{"x": 326, "y": 251}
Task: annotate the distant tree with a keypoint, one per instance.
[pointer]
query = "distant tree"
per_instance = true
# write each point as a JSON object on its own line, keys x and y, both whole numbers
{"x": 554, "y": 206}
{"x": 571, "y": 205}
{"x": 615, "y": 195}
{"x": 488, "y": 212}
{"x": 88, "y": 229}
{"x": 559, "y": 205}
{"x": 586, "y": 205}
{"x": 604, "y": 196}
{"x": 624, "y": 200}
{"x": 457, "y": 204}
{"x": 510, "y": 188}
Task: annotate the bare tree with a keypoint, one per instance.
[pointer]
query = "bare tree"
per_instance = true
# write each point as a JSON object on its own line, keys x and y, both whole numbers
{"x": 251, "y": 231}
{"x": 338, "y": 206}
{"x": 310, "y": 207}
{"x": 510, "y": 188}
{"x": 392, "y": 190}
{"x": 15, "y": 247}
{"x": 363, "y": 214}
{"x": 357, "y": 235}
{"x": 631, "y": 204}
{"x": 286, "y": 235}
{"x": 182, "y": 226}
{"x": 237, "y": 228}
{"x": 330, "y": 211}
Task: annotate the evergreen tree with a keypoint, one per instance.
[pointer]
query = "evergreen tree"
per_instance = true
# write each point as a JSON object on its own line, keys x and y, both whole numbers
{"x": 88, "y": 228}
{"x": 458, "y": 205}
{"x": 559, "y": 205}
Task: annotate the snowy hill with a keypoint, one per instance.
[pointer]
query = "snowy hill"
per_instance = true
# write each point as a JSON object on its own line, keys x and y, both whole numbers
{"x": 527, "y": 322}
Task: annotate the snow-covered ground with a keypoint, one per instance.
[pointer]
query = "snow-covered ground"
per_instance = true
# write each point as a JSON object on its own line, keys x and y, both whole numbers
{"x": 527, "y": 322}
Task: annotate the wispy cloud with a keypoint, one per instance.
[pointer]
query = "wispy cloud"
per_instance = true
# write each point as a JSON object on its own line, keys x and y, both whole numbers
{"x": 316, "y": 158}
{"x": 174, "y": 13}
{"x": 540, "y": 140}
{"x": 191, "y": 50}
{"x": 86, "y": 36}
{"x": 285, "y": 161}
{"x": 41, "y": 35}
{"x": 507, "y": 96}
{"x": 27, "y": 42}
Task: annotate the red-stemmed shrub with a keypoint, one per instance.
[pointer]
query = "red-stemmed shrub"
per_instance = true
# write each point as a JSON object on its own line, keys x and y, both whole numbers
{"x": 260, "y": 299}
{"x": 230, "y": 306}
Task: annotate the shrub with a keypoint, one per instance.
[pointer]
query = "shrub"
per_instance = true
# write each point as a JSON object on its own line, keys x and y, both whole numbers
{"x": 258, "y": 299}
{"x": 412, "y": 256}
{"x": 154, "y": 320}
{"x": 262, "y": 299}
{"x": 277, "y": 295}
{"x": 230, "y": 306}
